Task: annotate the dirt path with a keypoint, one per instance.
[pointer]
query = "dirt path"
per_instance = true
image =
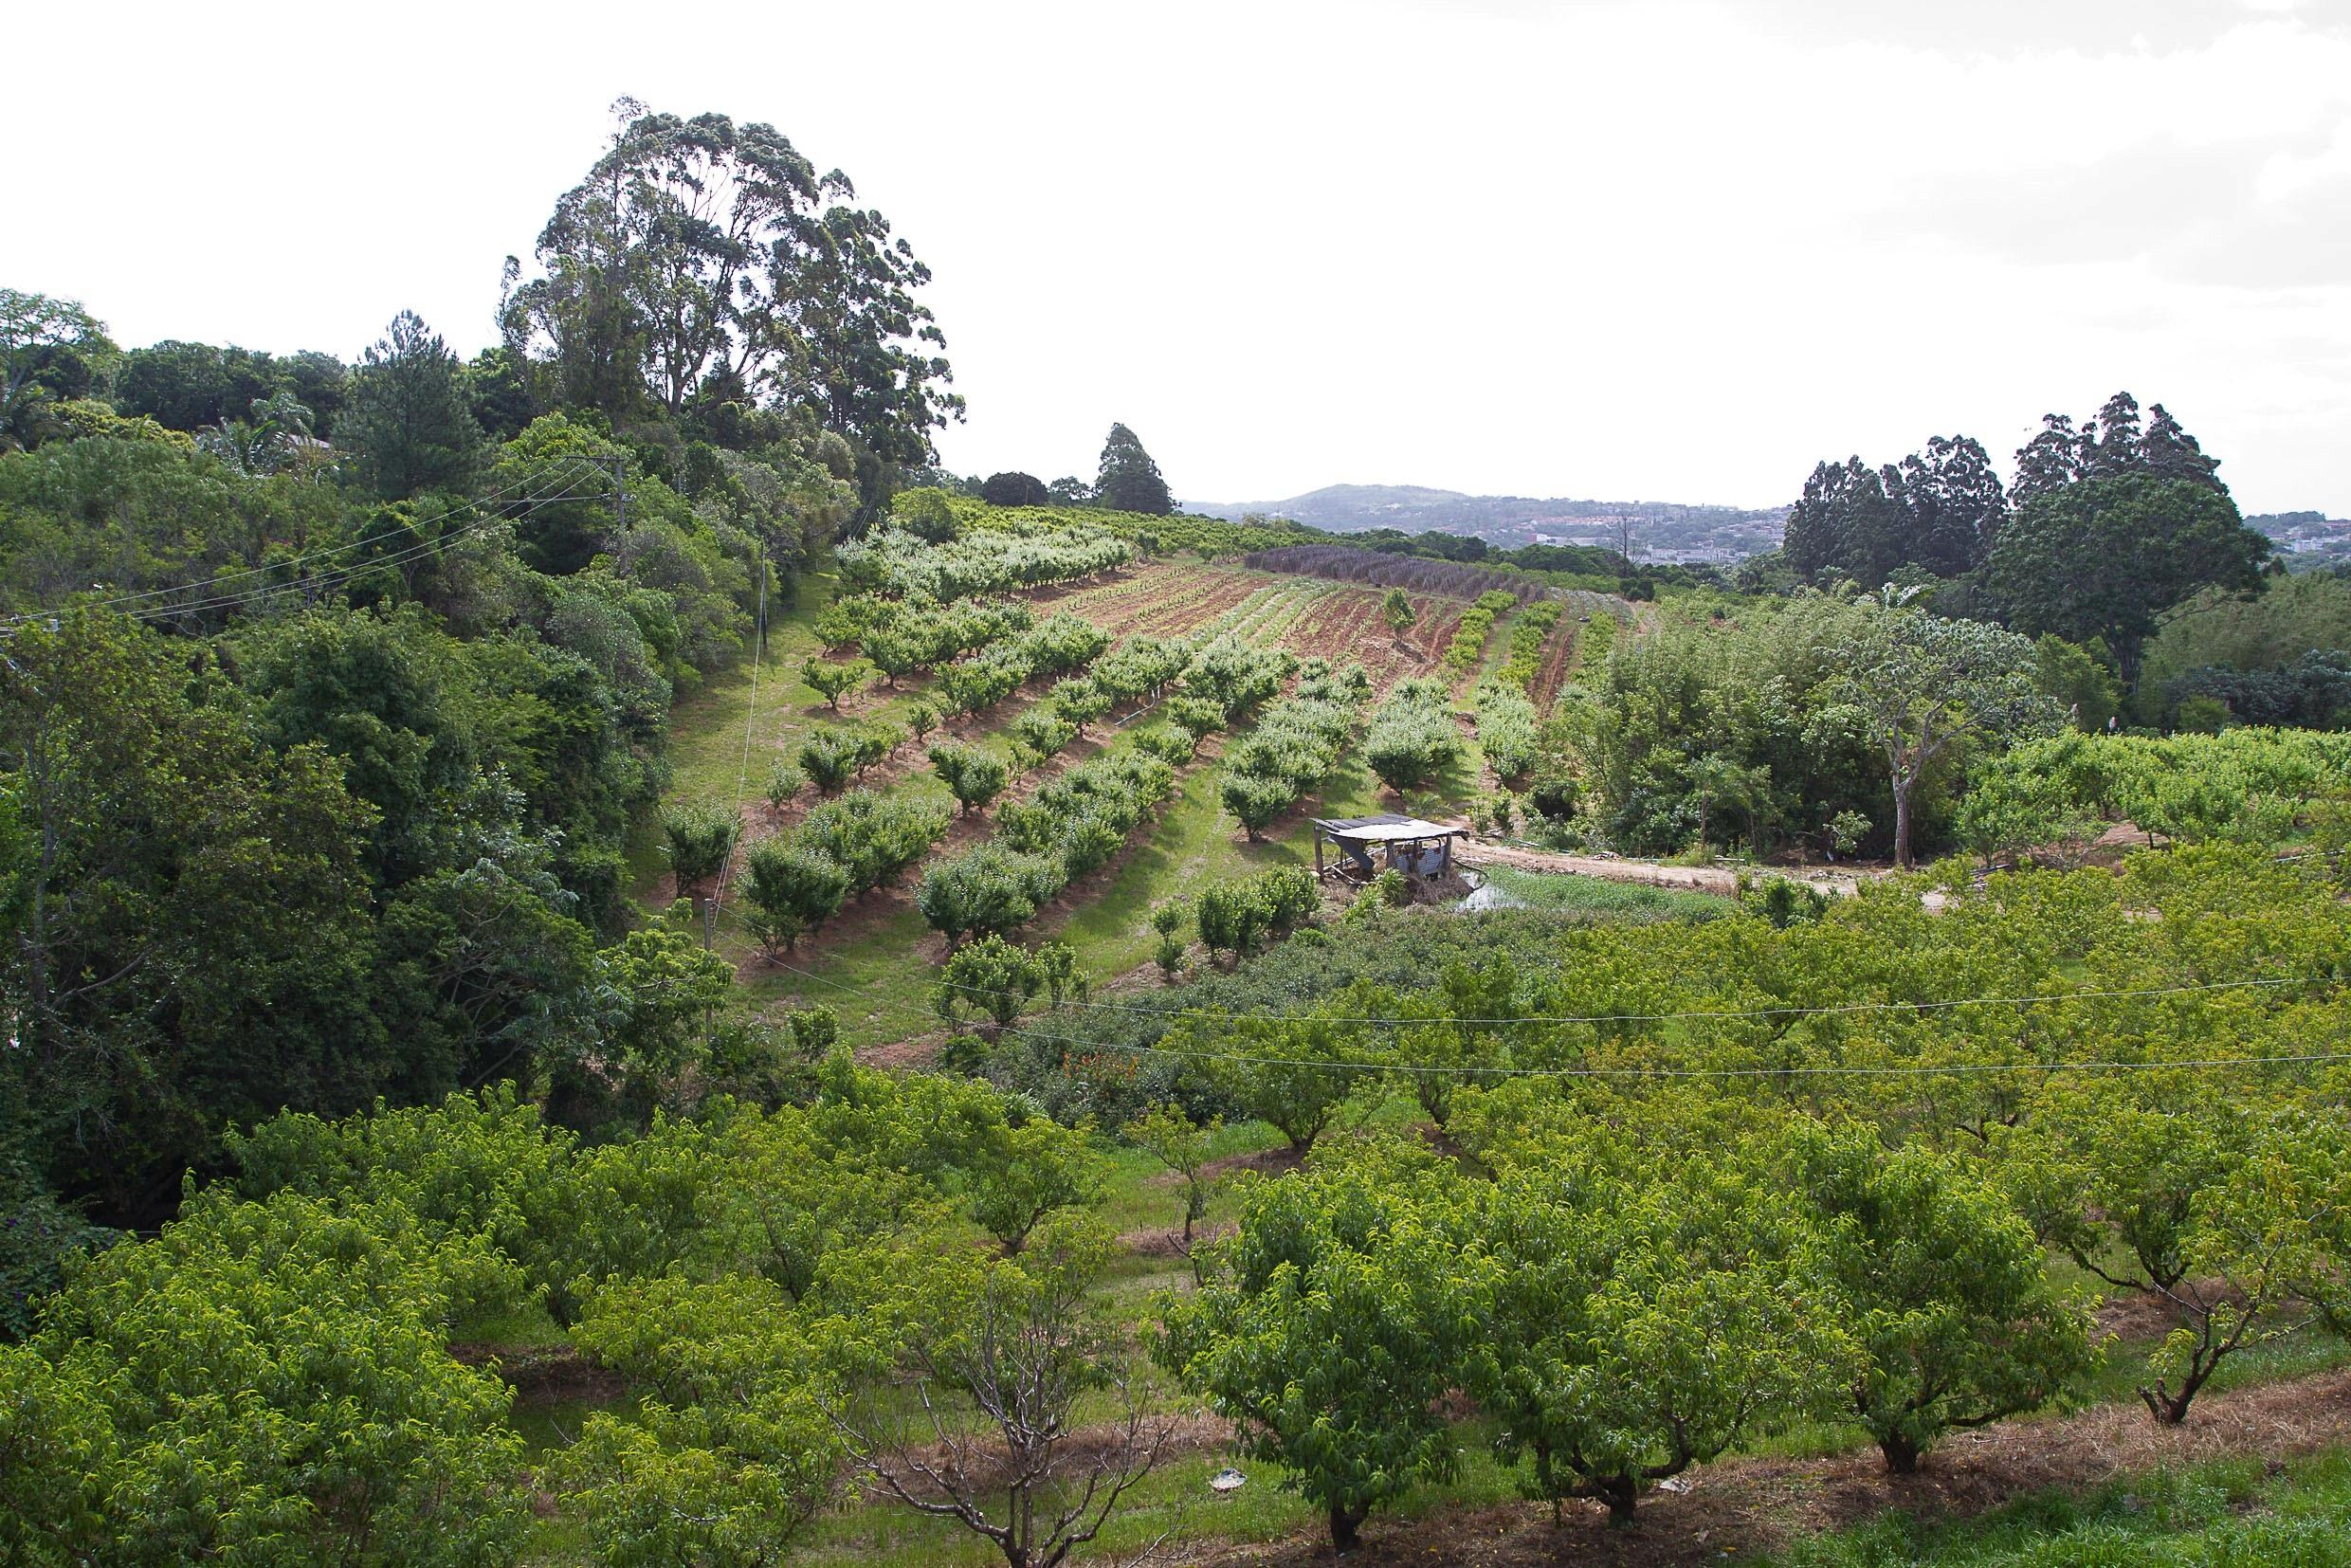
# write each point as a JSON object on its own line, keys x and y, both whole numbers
{"x": 1739, "y": 1507}
{"x": 1701, "y": 879}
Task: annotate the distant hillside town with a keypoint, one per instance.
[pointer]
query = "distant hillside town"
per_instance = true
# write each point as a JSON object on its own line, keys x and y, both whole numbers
{"x": 1643, "y": 530}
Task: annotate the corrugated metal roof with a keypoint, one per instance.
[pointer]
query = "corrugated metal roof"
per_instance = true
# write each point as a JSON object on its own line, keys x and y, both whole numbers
{"x": 1381, "y": 828}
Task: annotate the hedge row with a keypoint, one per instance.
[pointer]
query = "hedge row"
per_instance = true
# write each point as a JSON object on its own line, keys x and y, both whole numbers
{"x": 795, "y": 882}
{"x": 1505, "y": 728}
{"x": 1294, "y": 746}
{"x": 1073, "y": 825}
{"x": 1527, "y": 636}
{"x": 1477, "y": 623}
{"x": 1054, "y": 647}
{"x": 894, "y": 561}
{"x": 1415, "y": 737}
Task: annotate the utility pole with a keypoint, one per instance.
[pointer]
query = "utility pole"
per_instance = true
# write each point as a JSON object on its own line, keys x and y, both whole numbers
{"x": 620, "y": 512}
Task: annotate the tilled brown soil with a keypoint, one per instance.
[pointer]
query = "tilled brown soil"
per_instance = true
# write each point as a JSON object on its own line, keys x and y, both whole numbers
{"x": 1747, "y": 1505}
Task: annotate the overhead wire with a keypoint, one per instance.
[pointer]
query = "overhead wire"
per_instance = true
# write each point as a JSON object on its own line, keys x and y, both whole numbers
{"x": 522, "y": 482}
{"x": 1905, "y": 1069}
{"x": 447, "y": 541}
{"x": 742, "y": 773}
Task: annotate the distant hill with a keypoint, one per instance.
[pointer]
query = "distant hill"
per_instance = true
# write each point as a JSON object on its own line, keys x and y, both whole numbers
{"x": 1661, "y": 530}
{"x": 2307, "y": 540}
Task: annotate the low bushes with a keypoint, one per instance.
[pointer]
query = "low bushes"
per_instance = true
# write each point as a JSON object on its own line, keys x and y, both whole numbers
{"x": 1073, "y": 825}
{"x": 840, "y": 850}
{"x": 1505, "y": 728}
{"x": 1527, "y": 636}
{"x": 1236, "y": 917}
{"x": 1414, "y": 739}
{"x": 833, "y": 757}
{"x": 898, "y": 562}
{"x": 1477, "y": 623}
{"x": 1293, "y": 746}
{"x": 1057, "y": 645}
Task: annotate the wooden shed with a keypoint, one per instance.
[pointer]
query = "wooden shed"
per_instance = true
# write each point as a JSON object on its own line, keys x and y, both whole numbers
{"x": 1361, "y": 843}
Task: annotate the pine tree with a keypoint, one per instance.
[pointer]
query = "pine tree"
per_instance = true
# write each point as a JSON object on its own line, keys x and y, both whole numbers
{"x": 409, "y": 428}
{"x": 1130, "y": 480}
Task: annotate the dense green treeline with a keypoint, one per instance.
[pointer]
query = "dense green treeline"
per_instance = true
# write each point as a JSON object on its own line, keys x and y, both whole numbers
{"x": 332, "y": 692}
{"x": 1703, "y": 1182}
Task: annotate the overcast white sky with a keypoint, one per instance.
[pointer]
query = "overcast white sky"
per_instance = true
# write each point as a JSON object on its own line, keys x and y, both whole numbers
{"x": 1667, "y": 251}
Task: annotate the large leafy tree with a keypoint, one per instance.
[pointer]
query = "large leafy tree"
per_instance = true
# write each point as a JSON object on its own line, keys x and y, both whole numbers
{"x": 1639, "y": 1328}
{"x": 1129, "y": 481}
{"x": 706, "y": 260}
{"x": 1944, "y": 1283}
{"x": 265, "y": 1382}
{"x": 189, "y": 944}
{"x": 2106, "y": 556}
{"x": 1938, "y": 510}
{"x": 411, "y": 426}
{"x": 1918, "y": 687}
{"x": 1332, "y": 1324}
{"x": 2115, "y": 443}
{"x": 48, "y": 348}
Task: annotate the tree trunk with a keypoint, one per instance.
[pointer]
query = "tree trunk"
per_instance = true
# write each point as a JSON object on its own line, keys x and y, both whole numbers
{"x": 1346, "y": 1526}
{"x": 1902, "y": 1454}
{"x": 2171, "y": 1409}
{"x": 1902, "y": 823}
{"x": 1620, "y": 1492}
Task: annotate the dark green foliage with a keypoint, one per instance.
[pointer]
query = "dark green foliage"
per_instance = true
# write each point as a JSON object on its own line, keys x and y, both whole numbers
{"x": 2313, "y": 692}
{"x": 1129, "y": 481}
{"x": 189, "y": 386}
{"x": 1938, "y": 511}
{"x": 2103, "y": 558}
{"x": 1014, "y": 489}
{"x": 409, "y": 428}
{"x": 2113, "y": 444}
{"x": 699, "y": 838}
{"x": 973, "y": 775}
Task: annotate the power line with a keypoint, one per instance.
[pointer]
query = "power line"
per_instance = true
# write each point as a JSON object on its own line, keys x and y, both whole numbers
{"x": 742, "y": 774}
{"x": 522, "y": 482}
{"x": 332, "y": 579}
{"x": 1738, "y": 1014}
{"x": 1905, "y": 1071}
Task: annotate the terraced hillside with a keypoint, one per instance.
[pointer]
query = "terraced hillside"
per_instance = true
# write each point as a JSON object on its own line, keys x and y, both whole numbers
{"x": 742, "y": 744}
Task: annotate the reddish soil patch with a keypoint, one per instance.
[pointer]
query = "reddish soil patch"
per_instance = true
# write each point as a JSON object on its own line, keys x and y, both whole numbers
{"x": 1269, "y": 1162}
{"x": 1559, "y": 652}
{"x": 1193, "y": 598}
{"x": 545, "y": 1375}
{"x": 1750, "y": 1505}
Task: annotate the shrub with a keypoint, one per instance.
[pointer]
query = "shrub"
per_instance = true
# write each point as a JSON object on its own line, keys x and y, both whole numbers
{"x": 700, "y": 838}
{"x": 1043, "y": 731}
{"x": 973, "y": 775}
{"x": 871, "y": 838}
{"x": 789, "y": 891}
{"x": 987, "y": 889}
{"x": 832, "y": 681}
{"x": 1413, "y": 738}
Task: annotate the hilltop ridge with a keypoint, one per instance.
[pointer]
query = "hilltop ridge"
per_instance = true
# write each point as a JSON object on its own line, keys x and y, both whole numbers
{"x": 1660, "y": 530}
